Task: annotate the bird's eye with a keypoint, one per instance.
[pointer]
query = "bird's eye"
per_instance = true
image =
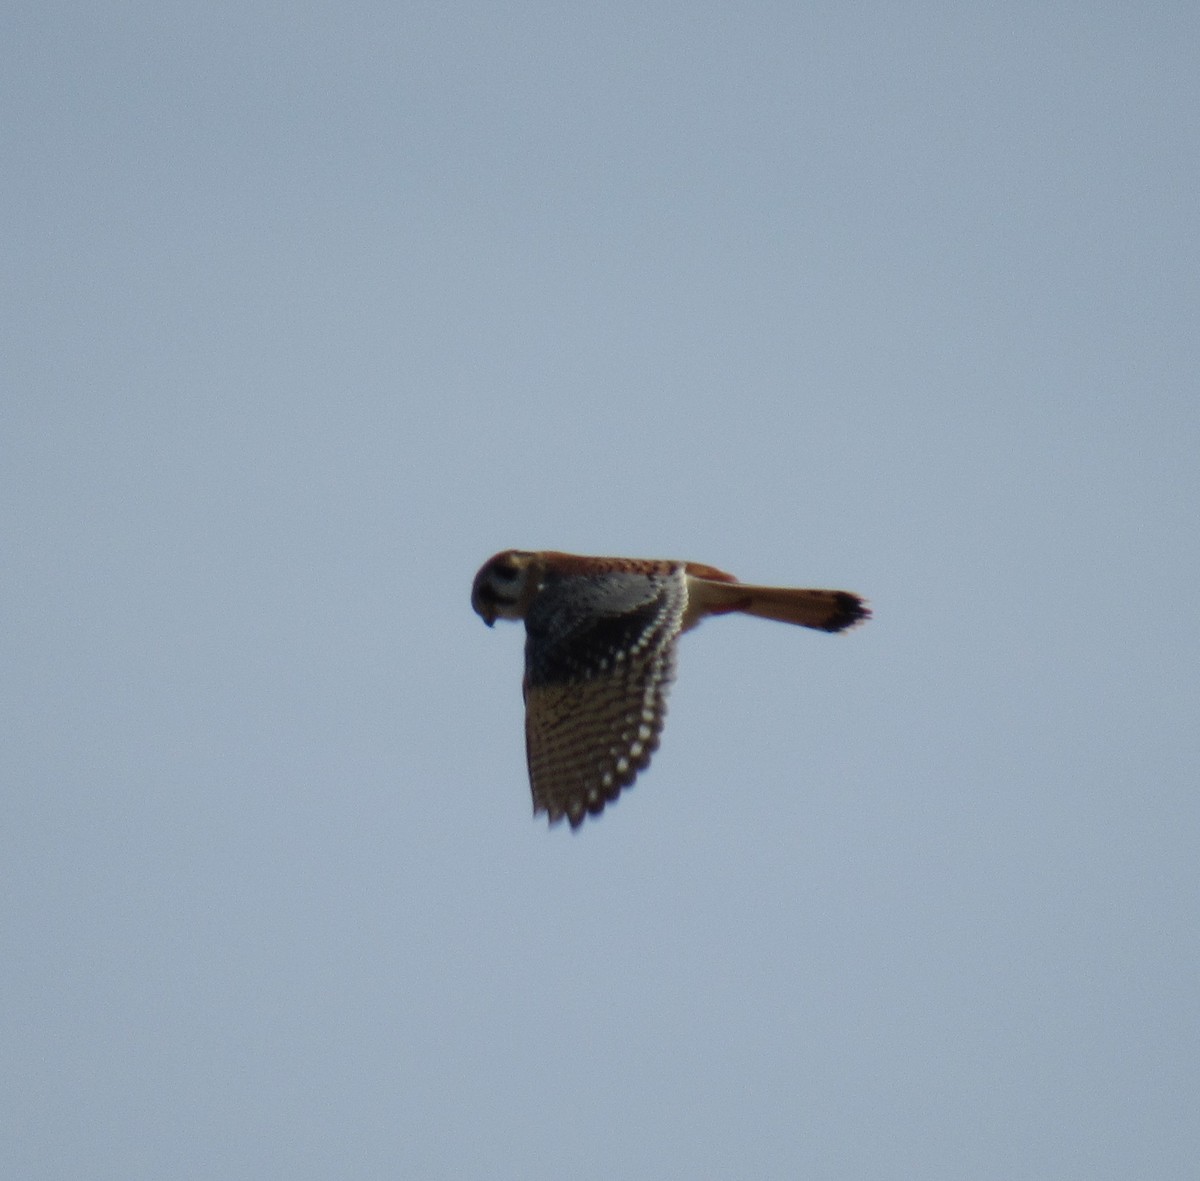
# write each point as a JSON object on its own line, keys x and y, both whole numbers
{"x": 505, "y": 572}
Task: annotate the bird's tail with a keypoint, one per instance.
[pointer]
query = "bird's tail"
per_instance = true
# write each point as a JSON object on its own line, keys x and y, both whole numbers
{"x": 825, "y": 610}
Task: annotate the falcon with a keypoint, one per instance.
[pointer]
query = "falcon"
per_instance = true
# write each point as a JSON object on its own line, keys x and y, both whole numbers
{"x": 600, "y": 637}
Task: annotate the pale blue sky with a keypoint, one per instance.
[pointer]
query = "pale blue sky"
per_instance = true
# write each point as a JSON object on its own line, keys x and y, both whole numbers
{"x": 307, "y": 309}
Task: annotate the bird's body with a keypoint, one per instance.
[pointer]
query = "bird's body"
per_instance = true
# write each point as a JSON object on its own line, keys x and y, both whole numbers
{"x": 600, "y": 656}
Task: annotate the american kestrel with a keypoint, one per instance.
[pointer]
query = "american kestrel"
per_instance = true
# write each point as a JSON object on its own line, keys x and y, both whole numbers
{"x": 600, "y": 639}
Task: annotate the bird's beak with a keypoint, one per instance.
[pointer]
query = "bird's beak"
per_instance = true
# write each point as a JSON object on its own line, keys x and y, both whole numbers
{"x": 485, "y": 610}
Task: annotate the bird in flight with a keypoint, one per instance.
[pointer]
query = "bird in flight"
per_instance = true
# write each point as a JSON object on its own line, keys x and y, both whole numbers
{"x": 600, "y": 638}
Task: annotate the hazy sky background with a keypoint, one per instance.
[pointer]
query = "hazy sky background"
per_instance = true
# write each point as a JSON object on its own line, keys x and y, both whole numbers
{"x": 309, "y": 308}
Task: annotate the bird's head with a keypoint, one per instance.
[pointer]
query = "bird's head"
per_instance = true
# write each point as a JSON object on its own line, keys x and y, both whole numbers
{"x": 505, "y": 585}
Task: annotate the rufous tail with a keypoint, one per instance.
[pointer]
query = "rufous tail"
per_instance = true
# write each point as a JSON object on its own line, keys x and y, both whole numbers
{"x": 824, "y": 610}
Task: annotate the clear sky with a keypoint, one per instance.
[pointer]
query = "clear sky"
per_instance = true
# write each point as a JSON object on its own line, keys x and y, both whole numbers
{"x": 309, "y": 308}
